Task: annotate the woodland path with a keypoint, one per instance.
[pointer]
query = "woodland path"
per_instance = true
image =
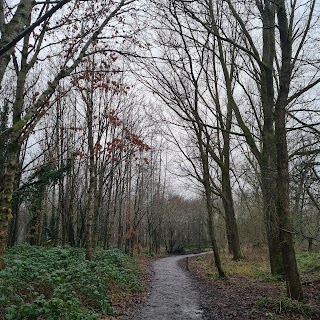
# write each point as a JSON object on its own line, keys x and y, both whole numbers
{"x": 173, "y": 295}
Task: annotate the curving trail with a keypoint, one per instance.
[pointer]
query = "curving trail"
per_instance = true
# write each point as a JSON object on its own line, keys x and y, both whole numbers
{"x": 172, "y": 296}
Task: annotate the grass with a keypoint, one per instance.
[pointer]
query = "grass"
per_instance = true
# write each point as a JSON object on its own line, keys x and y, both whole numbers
{"x": 309, "y": 265}
{"x": 252, "y": 264}
{"x": 58, "y": 283}
{"x": 255, "y": 264}
{"x": 283, "y": 305}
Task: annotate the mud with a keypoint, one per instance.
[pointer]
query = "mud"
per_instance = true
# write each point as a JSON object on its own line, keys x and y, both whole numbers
{"x": 173, "y": 295}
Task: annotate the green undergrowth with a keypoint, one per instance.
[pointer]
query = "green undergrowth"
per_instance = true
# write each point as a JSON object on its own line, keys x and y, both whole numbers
{"x": 58, "y": 283}
{"x": 256, "y": 265}
{"x": 283, "y": 305}
{"x": 309, "y": 268}
{"x": 309, "y": 265}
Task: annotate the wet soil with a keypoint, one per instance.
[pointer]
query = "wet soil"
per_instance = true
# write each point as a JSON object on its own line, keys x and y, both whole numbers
{"x": 172, "y": 295}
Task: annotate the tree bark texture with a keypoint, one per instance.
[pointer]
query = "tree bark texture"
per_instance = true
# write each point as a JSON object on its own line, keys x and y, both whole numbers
{"x": 6, "y": 195}
{"x": 17, "y": 24}
{"x": 227, "y": 198}
{"x": 231, "y": 223}
{"x": 207, "y": 187}
{"x": 268, "y": 154}
{"x": 293, "y": 282}
{"x": 217, "y": 259}
{"x": 92, "y": 181}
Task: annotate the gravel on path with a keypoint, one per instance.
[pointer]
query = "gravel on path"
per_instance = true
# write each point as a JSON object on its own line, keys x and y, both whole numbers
{"x": 173, "y": 295}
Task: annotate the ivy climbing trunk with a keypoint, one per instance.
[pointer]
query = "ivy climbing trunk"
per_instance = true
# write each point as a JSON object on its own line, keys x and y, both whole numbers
{"x": 14, "y": 223}
{"x": 6, "y": 195}
{"x": 13, "y": 147}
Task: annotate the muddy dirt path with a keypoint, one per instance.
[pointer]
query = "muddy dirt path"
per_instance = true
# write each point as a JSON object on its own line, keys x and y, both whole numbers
{"x": 173, "y": 295}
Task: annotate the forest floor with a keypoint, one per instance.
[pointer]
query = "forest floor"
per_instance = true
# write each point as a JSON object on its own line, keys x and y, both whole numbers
{"x": 251, "y": 293}
{"x": 125, "y": 304}
{"x": 58, "y": 283}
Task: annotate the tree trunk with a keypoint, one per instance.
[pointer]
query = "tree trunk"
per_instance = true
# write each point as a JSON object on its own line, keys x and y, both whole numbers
{"x": 268, "y": 186}
{"x": 13, "y": 145}
{"x": 4, "y": 114}
{"x": 231, "y": 223}
{"x": 12, "y": 29}
{"x": 225, "y": 122}
{"x": 227, "y": 196}
{"x": 294, "y": 287}
{"x": 207, "y": 187}
{"x": 293, "y": 282}
{"x": 6, "y": 195}
{"x": 268, "y": 154}
{"x": 89, "y": 218}
{"x": 92, "y": 181}
{"x": 213, "y": 241}
{"x": 14, "y": 225}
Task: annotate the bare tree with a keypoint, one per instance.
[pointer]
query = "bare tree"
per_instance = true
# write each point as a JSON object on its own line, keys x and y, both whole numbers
{"x": 26, "y": 119}
{"x": 273, "y": 67}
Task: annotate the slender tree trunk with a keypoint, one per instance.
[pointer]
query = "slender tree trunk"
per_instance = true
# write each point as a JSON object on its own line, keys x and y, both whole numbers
{"x": 119, "y": 207}
{"x": 231, "y": 223}
{"x": 4, "y": 114}
{"x": 70, "y": 209}
{"x": 92, "y": 181}
{"x": 89, "y": 219}
{"x": 227, "y": 196}
{"x": 225, "y": 122}
{"x": 206, "y": 183}
{"x": 213, "y": 241}
{"x": 62, "y": 211}
{"x": 107, "y": 234}
{"x": 14, "y": 225}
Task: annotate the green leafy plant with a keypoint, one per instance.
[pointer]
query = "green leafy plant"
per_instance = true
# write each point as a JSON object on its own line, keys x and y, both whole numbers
{"x": 58, "y": 283}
